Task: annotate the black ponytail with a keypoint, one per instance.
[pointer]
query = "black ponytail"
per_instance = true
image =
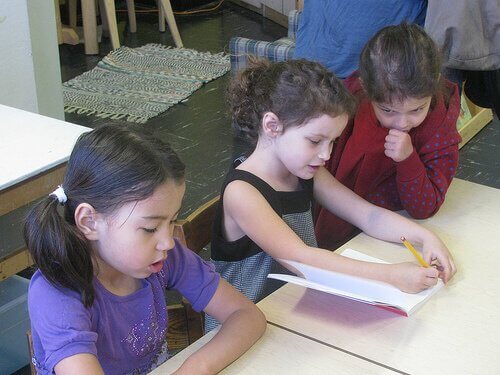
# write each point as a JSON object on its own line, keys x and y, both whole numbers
{"x": 109, "y": 167}
{"x": 59, "y": 250}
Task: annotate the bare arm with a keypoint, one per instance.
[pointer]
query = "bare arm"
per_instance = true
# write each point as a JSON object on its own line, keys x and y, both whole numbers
{"x": 246, "y": 211}
{"x": 242, "y": 325}
{"x": 83, "y": 363}
{"x": 379, "y": 222}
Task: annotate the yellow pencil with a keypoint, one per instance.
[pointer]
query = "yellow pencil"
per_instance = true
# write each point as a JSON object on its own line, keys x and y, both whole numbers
{"x": 417, "y": 255}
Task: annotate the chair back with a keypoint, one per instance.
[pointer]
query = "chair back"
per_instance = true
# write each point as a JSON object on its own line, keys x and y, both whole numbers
{"x": 185, "y": 325}
{"x": 195, "y": 231}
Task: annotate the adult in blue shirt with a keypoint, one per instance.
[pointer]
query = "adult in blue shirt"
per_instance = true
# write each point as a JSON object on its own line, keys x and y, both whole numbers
{"x": 333, "y": 32}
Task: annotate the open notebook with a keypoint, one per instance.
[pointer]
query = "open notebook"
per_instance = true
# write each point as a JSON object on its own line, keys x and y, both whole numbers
{"x": 359, "y": 289}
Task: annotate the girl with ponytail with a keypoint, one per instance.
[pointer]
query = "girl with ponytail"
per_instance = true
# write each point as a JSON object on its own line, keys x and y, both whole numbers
{"x": 103, "y": 245}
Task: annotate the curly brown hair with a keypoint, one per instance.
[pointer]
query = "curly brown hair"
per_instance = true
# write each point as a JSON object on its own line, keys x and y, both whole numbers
{"x": 294, "y": 90}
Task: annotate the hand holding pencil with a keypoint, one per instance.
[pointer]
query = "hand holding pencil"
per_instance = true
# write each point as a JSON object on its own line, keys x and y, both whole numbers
{"x": 434, "y": 251}
{"x": 415, "y": 253}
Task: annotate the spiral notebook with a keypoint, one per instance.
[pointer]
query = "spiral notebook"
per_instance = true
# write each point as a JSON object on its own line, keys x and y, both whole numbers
{"x": 369, "y": 291}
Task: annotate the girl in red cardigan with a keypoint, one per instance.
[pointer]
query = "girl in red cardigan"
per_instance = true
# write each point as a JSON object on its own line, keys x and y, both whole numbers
{"x": 401, "y": 149}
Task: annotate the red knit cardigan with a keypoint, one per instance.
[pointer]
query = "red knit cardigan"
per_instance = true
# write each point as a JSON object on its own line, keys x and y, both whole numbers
{"x": 417, "y": 184}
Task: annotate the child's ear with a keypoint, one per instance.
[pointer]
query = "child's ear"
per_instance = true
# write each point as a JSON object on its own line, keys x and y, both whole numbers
{"x": 271, "y": 124}
{"x": 86, "y": 221}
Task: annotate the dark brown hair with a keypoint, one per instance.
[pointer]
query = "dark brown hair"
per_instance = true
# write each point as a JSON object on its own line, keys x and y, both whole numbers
{"x": 400, "y": 62}
{"x": 108, "y": 167}
{"x": 295, "y": 91}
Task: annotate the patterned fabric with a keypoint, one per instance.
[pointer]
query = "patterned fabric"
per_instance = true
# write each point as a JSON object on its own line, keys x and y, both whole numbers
{"x": 242, "y": 262}
{"x": 136, "y": 84}
{"x": 240, "y": 48}
{"x": 293, "y": 23}
{"x": 279, "y": 50}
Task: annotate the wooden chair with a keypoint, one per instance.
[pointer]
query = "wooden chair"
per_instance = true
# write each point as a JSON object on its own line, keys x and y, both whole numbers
{"x": 185, "y": 325}
{"x": 108, "y": 16}
{"x": 31, "y": 352}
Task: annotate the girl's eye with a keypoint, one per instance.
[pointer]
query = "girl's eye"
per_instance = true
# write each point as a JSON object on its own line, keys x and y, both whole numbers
{"x": 149, "y": 230}
{"x": 418, "y": 109}
{"x": 386, "y": 110}
{"x": 314, "y": 142}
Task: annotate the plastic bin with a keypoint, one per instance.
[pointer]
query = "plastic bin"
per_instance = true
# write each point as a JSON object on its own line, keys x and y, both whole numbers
{"x": 14, "y": 323}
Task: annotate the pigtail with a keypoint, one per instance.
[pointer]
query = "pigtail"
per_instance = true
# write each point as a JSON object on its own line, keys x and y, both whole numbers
{"x": 59, "y": 250}
{"x": 246, "y": 95}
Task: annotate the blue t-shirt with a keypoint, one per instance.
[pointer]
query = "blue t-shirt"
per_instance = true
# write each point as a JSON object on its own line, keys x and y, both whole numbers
{"x": 126, "y": 333}
{"x": 333, "y": 32}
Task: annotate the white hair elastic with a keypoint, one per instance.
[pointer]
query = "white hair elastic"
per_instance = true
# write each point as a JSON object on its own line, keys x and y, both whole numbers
{"x": 59, "y": 194}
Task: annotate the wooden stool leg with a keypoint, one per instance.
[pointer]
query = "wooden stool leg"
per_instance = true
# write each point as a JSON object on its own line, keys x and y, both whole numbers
{"x": 104, "y": 20}
{"x": 72, "y": 13}
{"x": 110, "y": 14}
{"x": 30, "y": 349}
{"x": 169, "y": 14}
{"x": 161, "y": 17}
{"x": 90, "y": 27}
{"x": 131, "y": 16}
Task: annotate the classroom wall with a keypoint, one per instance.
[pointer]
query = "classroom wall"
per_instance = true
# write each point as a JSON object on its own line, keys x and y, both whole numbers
{"x": 30, "y": 74}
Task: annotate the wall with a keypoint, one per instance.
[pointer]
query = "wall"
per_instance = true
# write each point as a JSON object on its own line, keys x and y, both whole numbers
{"x": 30, "y": 75}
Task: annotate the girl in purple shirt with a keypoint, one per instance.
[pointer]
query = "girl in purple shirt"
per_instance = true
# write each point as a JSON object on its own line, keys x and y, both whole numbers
{"x": 104, "y": 259}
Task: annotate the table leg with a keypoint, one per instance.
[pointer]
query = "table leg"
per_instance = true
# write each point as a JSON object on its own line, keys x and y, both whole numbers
{"x": 169, "y": 14}
{"x": 109, "y": 9}
{"x": 90, "y": 27}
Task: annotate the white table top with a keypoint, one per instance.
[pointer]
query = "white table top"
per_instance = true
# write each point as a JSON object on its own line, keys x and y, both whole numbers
{"x": 456, "y": 332}
{"x": 281, "y": 352}
{"x": 31, "y": 144}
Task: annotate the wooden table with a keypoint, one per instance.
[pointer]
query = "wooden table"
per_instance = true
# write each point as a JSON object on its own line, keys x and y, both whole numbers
{"x": 34, "y": 150}
{"x": 456, "y": 332}
{"x": 282, "y": 352}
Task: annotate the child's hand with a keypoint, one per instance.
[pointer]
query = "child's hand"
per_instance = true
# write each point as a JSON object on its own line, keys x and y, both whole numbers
{"x": 437, "y": 255}
{"x": 412, "y": 278}
{"x": 398, "y": 145}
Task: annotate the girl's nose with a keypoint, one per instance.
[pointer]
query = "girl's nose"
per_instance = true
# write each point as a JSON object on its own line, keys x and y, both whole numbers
{"x": 325, "y": 152}
{"x": 403, "y": 122}
{"x": 165, "y": 243}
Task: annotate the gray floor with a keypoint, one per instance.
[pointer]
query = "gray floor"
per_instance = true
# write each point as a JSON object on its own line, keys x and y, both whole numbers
{"x": 479, "y": 158}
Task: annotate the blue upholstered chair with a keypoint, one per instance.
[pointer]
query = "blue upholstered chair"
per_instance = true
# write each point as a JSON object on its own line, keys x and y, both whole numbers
{"x": 279, "y": 50}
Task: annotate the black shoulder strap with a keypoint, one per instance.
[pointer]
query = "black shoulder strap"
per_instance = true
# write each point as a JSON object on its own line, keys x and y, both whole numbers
{"x": 263, "y": 187}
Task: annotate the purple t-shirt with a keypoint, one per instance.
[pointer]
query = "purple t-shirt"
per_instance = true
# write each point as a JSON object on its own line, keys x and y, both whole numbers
{"x": 127, "y": 334}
